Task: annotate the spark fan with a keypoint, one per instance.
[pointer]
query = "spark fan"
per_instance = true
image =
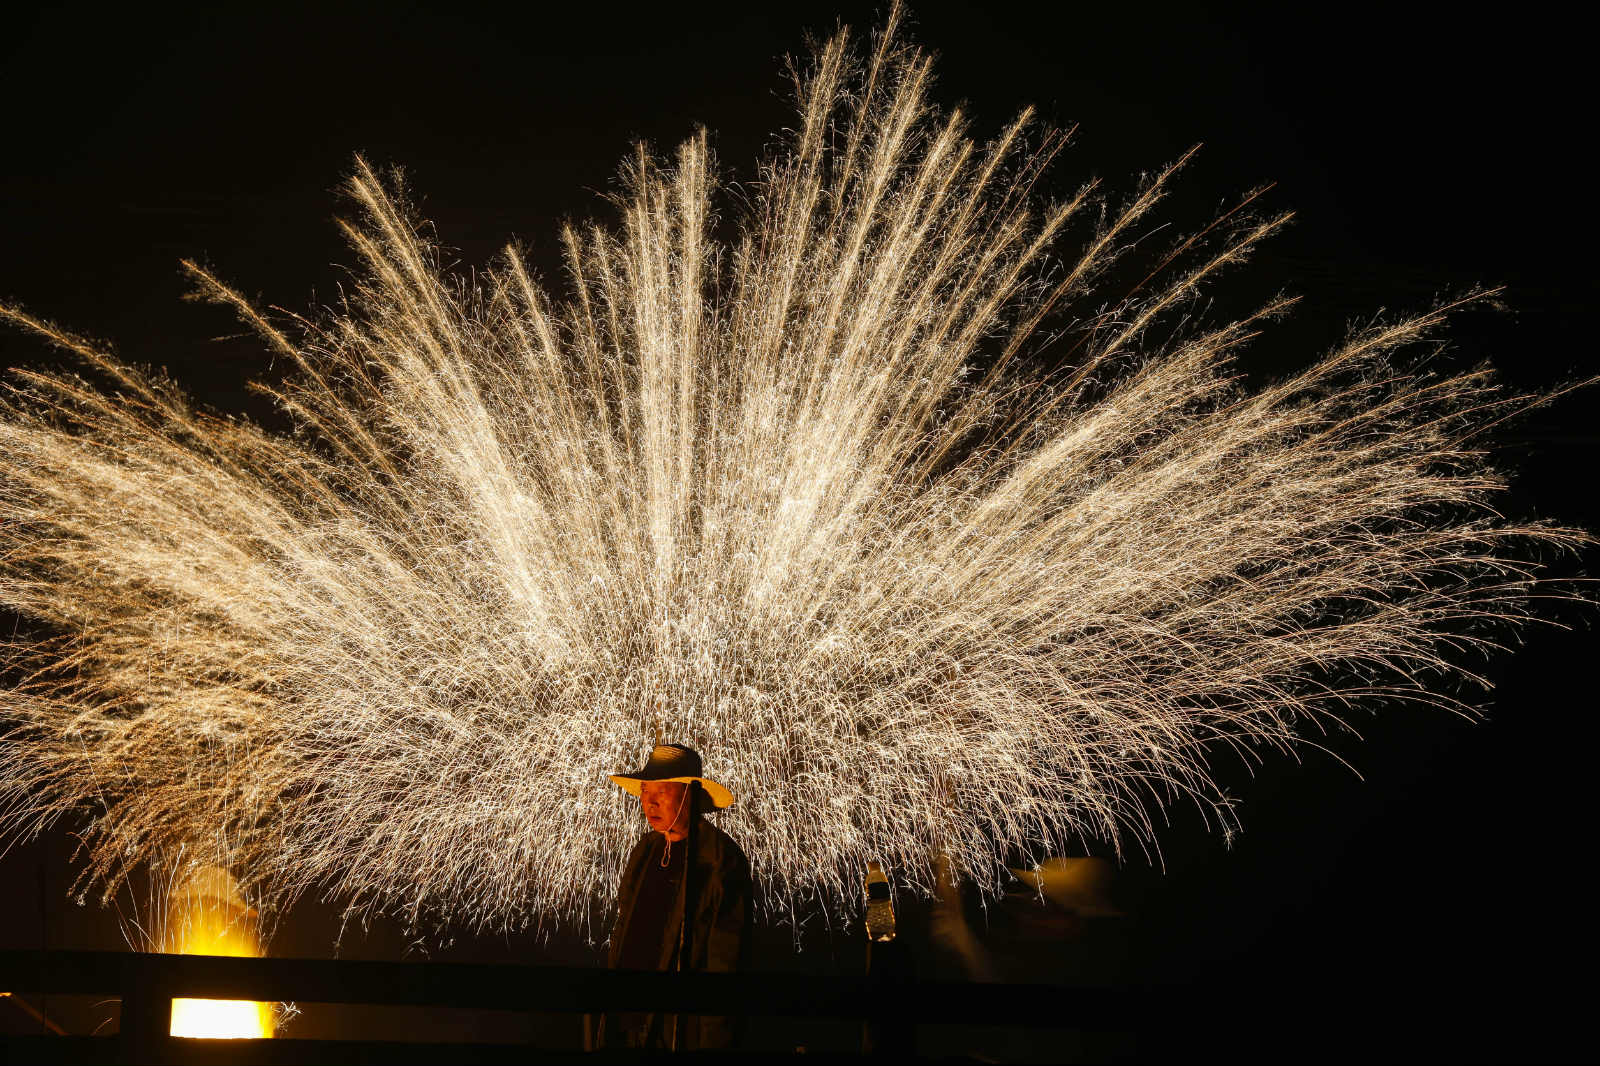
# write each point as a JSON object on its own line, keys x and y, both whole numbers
{"x": 945, "y": 547}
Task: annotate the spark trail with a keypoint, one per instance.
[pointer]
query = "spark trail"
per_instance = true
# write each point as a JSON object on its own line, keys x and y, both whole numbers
{"x": 808, "y": 498}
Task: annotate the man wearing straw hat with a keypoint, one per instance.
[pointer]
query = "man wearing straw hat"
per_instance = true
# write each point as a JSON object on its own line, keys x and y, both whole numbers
{"x": 674, "y": 913}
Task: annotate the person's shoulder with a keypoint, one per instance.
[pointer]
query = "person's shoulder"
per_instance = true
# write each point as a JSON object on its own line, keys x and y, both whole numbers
{"x": 726, "y": 847}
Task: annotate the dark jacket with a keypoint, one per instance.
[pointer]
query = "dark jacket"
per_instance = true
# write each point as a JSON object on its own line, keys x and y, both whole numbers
{"x": 720, "y": 880}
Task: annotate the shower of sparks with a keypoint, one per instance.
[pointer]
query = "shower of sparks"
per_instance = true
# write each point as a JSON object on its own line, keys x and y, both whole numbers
{"x": 801, "y": 497}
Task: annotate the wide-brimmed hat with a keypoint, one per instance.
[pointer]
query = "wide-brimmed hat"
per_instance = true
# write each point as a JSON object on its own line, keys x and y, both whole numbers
{"x": 674, "y": 762}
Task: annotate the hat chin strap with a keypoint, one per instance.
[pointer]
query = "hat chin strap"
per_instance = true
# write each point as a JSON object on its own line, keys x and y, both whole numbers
{"x": 666, "y": 854}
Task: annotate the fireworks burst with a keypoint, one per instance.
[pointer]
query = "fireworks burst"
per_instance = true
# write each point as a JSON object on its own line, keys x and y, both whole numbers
{"x": 802, "y": 498}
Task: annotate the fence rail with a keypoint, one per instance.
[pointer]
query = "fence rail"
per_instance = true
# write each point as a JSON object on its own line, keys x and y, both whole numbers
{"x": 147, "y": 984}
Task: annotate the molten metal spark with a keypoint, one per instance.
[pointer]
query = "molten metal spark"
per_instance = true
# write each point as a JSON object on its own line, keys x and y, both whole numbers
{"x": 801, "y": 499}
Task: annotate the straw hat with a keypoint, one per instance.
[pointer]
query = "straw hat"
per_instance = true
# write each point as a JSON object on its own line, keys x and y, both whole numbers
{"x": 674, "y": 762}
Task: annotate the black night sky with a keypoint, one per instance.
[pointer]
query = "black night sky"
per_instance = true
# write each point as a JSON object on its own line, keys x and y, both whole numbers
{"x": 1433, "y": 907}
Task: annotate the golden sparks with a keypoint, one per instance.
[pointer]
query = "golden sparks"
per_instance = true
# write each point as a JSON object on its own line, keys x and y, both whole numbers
{"x": 798, "y": 487}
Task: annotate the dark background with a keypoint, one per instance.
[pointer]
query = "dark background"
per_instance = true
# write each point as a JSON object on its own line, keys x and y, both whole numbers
{"x": 1434, "y": 907}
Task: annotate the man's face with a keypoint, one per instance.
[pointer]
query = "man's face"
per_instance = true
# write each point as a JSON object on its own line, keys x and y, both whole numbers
{"x": 664, "y": 805}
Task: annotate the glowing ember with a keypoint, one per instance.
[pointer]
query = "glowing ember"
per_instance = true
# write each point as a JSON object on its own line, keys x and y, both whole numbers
{"x": 207, "y": 916}
{"x": 804, "y": 501}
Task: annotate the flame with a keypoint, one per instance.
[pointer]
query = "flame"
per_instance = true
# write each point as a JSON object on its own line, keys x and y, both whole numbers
{"x": 207, "y": 915}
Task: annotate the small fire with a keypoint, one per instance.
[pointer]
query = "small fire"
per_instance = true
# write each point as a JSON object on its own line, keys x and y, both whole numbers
{"x": 207, "y": 915}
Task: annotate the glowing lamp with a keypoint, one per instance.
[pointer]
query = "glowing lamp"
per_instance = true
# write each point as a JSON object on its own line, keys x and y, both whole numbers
{"x": 207, "y": 915}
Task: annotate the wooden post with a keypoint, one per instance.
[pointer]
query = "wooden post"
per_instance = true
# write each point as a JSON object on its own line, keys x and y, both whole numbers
{"x": 884, "y": 1032}
{"x": 145, "y": 1031}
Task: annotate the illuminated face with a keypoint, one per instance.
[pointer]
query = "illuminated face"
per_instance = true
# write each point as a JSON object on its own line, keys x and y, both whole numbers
{"x": 665, "y": 807}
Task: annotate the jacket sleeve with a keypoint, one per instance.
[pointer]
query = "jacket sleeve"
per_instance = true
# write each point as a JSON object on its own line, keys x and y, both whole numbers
{"x": 730, "y": 914}
{"x": 724, "y": 914}
{"x": 627, "y": 890}
{"x": 594, "y": 1025}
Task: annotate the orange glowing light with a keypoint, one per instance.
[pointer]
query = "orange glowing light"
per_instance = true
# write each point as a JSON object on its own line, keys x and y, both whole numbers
{"x": 207, "y": 915}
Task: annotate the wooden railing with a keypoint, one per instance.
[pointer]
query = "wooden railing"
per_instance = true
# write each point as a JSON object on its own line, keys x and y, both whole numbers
{"x": 147, "y": 984}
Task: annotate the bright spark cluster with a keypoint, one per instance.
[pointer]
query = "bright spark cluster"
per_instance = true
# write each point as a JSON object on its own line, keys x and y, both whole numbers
{"x": 802, "y": 487}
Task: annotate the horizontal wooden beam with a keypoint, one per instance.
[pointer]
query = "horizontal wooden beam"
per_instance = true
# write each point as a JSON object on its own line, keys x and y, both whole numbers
{"x": 144, "y": 976}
